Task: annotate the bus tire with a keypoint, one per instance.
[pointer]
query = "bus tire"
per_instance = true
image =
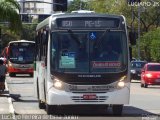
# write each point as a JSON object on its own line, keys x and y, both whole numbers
{"x": 117, "y": 109}
{"x": 41, "y": 104}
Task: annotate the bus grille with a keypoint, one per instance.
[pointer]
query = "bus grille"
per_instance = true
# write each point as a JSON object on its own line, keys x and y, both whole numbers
{"x": 80, "y": 99}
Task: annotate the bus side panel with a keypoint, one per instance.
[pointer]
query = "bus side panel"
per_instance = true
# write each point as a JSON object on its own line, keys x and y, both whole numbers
{"x": 35, "y": 83}
{"x": 43, "y": 77}
{"x": 40, "y": 80}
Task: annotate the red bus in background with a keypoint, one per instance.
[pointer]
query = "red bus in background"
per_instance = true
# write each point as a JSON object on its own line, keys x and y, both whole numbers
{"x": 20, "y": 57}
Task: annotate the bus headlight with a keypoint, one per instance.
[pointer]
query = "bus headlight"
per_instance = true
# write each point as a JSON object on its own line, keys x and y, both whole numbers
{"x": 121, "y": 84}
{"x": 58, "y": 84}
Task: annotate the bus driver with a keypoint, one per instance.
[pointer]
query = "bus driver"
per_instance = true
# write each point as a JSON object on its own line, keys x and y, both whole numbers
{"x": 108, "y": 54}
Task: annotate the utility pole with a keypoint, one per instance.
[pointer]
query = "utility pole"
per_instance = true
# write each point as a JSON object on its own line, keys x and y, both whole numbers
{"x": 139, "y": 27}
{"x": 132, "y": 26}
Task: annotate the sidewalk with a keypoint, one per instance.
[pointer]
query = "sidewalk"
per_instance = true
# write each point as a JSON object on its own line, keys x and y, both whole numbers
{"x": 4, "y": 101}
{"x": 6, "y": 107}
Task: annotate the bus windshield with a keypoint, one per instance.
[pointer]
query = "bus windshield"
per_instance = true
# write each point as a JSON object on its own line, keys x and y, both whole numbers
{"x": 89, "y": 51}
{"x": 22, "y": 52}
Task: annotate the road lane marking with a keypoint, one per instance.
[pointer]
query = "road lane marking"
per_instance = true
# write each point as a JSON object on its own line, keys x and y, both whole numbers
{"x": 11, "y": 109}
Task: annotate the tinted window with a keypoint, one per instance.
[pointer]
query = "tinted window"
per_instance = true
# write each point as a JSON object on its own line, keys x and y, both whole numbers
{"x": 153, "y": 67}
{"x": 137, "y": 64}
{"x": 89, "y": 51}
{"x": 21, "y": 52}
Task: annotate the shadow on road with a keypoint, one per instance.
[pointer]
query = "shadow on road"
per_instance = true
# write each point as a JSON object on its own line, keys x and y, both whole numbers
{"x": 129, "y": 111}
{"x": 17, "y": 98}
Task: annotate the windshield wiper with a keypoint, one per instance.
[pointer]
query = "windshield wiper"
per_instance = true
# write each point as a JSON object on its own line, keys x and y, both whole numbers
{"x": 98, "y": 42}
{"x": 74, "y": 37}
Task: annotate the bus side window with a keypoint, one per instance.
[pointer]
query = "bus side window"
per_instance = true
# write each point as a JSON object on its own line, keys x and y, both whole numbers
{"x": 44, "y": 46}
{"x": 38, "y": 45}
{"x": 45, "y": 37}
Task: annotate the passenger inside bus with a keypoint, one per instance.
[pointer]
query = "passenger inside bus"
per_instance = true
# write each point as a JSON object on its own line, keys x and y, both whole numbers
{"x": 76, "y": 45}
{"x": 109, "y": 54}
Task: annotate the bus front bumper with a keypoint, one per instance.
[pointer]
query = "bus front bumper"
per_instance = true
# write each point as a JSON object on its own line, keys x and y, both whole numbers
{"x": 59, "y": 97}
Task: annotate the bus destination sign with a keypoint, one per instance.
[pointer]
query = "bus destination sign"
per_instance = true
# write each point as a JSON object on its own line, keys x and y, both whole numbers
{"x": 88, "y": 23}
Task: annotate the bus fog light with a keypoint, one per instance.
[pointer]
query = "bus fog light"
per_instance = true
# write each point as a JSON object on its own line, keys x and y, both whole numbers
{"x": 121, "y": 84}
{"x": 58, "y": 84}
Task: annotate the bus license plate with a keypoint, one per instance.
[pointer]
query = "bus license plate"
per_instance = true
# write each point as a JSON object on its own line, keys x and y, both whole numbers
{"x": 89, "y": 97}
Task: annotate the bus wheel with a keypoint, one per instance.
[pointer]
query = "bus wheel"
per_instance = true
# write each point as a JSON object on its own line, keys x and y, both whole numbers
{"x": 11, "y": 74}
{"x": 117, "y": 109}
{"x": 41, "y": 104}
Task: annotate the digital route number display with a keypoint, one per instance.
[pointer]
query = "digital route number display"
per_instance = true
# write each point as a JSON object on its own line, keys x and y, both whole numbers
{"x": 21, "y": 44}
{"x": 88, "y": 23}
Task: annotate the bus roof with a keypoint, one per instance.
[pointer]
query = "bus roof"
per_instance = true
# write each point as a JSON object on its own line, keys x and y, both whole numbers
{"x": 82, "y": 11}
{"x": 18, "y": 41}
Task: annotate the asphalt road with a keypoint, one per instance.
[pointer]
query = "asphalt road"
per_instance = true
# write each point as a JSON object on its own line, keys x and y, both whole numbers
{"x": 19, "y": 100}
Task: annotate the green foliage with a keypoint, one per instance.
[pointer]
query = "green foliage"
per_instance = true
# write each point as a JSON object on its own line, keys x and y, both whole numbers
{"x": 105, "y": 6}
{"x": 149, "y": 44}
{"x": 28, "y": 32}
{"x": 78, "y": 5}
{"x": 7, "y": 36}
{"x": 9, "y": 12}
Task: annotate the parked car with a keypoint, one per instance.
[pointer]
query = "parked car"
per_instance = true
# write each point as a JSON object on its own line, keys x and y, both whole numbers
{"x": 150, "y": 74}
{"x": 136, "y": 67}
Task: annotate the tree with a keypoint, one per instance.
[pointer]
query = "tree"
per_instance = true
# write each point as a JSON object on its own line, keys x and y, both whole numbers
{"x": 77, "y": 5}
{"x": 149, "y": 45}
{"x": 150, "y": 13}
{"x": 150, "y": 17}
{"x": 28, "y": 32}
{"x": 102, "y": 6}
{"x": 9, "y": 12}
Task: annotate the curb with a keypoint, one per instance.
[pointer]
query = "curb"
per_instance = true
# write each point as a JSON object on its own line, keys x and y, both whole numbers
{"x": 11, "y": 109}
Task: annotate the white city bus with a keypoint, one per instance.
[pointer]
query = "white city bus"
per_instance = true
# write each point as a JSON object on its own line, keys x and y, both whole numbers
{"x": 69, "y": 67}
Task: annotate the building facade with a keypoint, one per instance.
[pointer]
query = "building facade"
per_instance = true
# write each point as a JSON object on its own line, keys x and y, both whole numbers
{"x": 36, "y": 6}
